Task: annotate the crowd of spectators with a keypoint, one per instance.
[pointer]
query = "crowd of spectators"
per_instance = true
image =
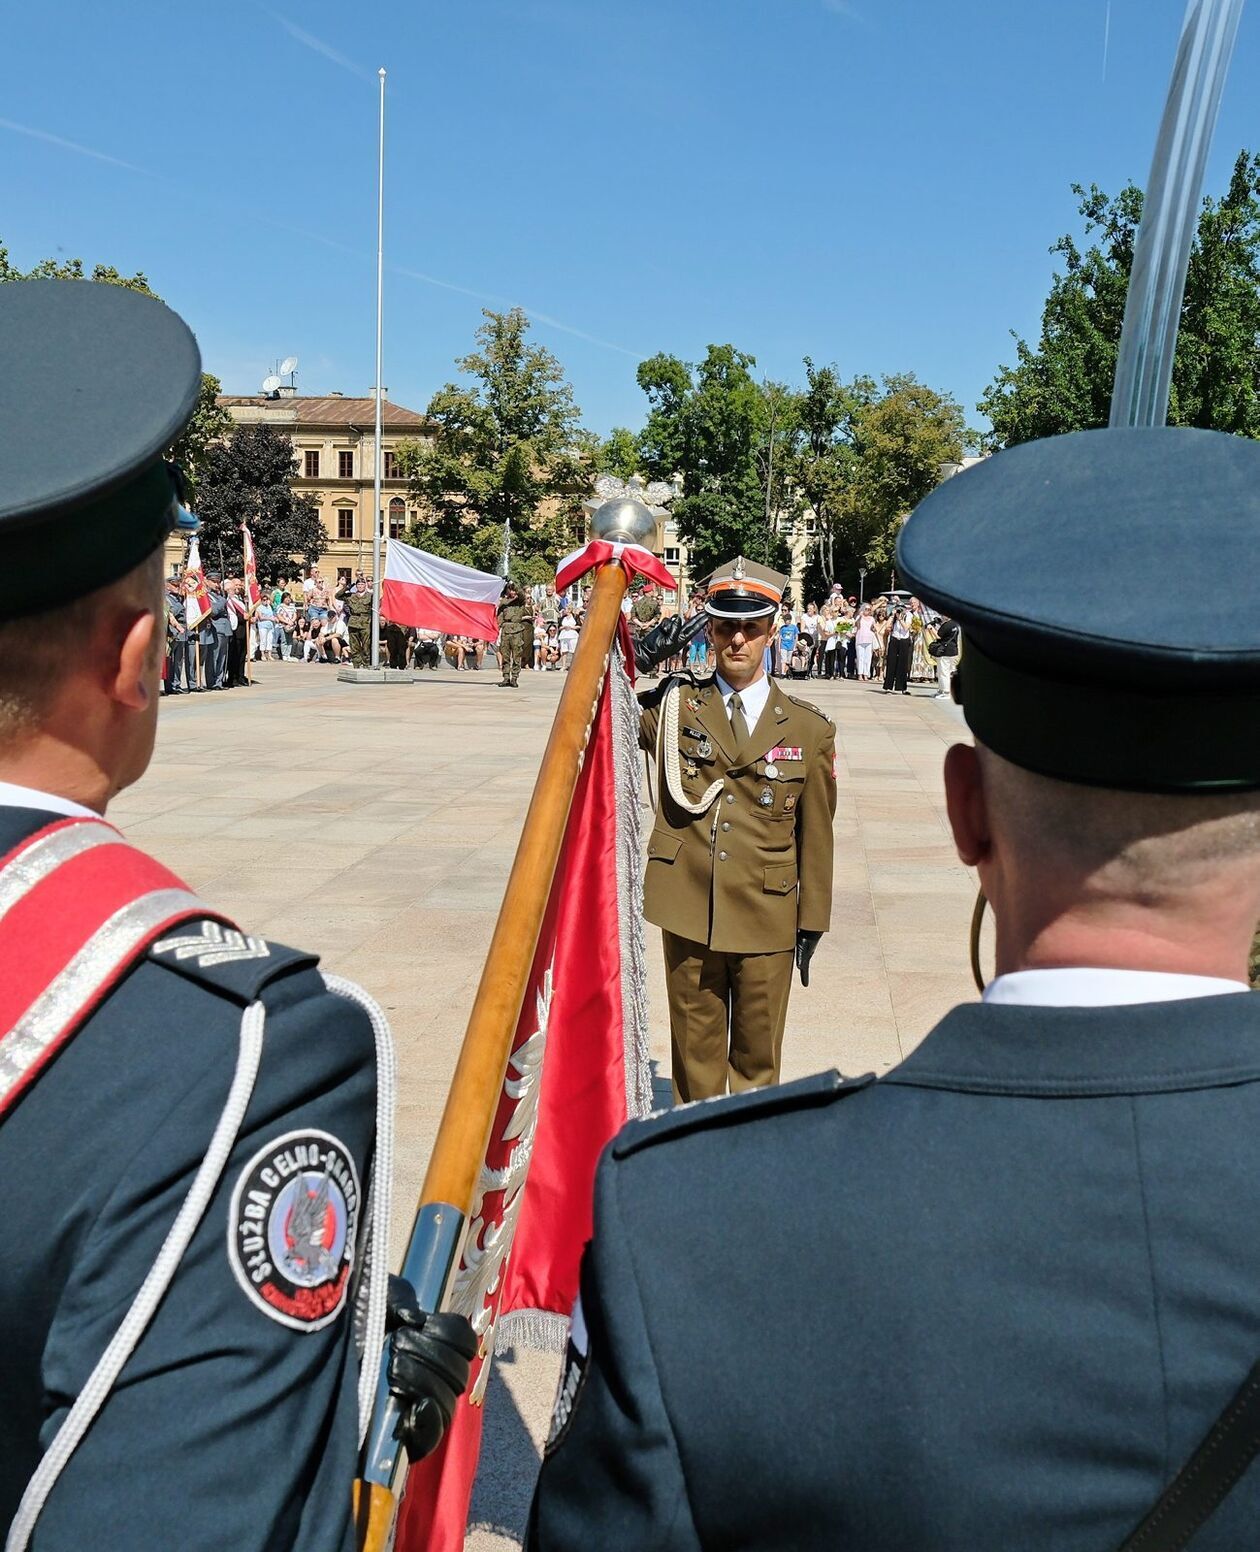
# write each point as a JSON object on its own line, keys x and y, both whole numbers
{"x": 892, "y": 640}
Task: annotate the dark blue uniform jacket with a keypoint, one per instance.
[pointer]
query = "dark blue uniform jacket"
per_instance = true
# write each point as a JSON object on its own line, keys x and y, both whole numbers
{"x": 992, "y": 1302}
{"x": 228, "y": 1428}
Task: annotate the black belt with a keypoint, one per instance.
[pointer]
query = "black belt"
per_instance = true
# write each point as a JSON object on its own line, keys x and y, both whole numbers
{"x": 1207, "y": 1478}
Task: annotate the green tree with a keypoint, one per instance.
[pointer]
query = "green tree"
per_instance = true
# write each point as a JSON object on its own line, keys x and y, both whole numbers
{"x": 249, "y": 479}
{"x": 716, "y": 426}
{"x": 1064, "y": 382}
{"x": 618, "y": 454}
{"x": 72, "y": 269}
{"x": 864, "y": 457}
{"x": 210, "y": 423}
{"x": 507, "y": 449}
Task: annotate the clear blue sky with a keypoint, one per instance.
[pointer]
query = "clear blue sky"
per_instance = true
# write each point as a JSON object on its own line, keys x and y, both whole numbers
{"x": 874, "y": 183}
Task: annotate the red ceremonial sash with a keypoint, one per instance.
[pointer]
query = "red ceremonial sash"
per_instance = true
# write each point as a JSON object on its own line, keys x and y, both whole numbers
{"x": 78, "y": 908}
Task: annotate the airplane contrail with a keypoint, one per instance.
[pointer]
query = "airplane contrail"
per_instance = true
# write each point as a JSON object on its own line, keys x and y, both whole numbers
{"x": 73, "y": 145}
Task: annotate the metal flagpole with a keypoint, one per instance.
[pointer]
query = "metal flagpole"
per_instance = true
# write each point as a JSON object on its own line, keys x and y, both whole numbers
{"x": 376, "y": 484}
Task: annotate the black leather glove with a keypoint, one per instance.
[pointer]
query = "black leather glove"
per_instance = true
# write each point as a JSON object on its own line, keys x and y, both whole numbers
{"x": 806, "y": 943}
{"x": 665, "y": 640}
{"x": 429, "y": 1358}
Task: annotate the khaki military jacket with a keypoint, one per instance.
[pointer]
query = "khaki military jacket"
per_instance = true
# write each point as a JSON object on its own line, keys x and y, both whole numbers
{"x": 512, "y": 617}
{"x": 756, "y": 866}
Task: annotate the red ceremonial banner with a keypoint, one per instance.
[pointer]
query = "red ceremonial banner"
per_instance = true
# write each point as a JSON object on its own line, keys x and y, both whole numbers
{"x": 578, "y": 1070}
{"x": 252, "y": 591}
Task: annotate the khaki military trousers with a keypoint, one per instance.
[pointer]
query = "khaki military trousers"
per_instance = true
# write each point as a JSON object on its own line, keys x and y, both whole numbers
{"x": 511, "y": 651}
{"x": 726, "y": 1017}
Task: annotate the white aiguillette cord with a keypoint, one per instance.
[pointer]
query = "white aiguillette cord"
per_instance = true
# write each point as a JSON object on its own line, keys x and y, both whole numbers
{"x": 667, "y": 762}
{"x": 152, "y": 1290}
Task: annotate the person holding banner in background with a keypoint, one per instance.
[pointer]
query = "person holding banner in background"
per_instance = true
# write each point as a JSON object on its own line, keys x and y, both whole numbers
{"x": 194, "y": 1122}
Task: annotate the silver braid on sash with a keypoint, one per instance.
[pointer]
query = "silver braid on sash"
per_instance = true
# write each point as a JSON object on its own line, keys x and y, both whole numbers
{"x": 667, "y": 759}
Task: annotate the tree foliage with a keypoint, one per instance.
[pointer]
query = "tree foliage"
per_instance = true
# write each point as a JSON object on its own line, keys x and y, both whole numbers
{"x": 210, "y": 424}
{"x": 507, "y": 448}
{"x": 1064, "y": 382}
{"x": 715, "y": 425}
{"x": 72, "y": 269}
{"x": 249, "y": 479}
{"x": 864, "y": 457}
{"x": 618, "y": 454}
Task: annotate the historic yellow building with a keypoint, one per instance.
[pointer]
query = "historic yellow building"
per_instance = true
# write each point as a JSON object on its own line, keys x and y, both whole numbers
{"x": 334, "y": 438}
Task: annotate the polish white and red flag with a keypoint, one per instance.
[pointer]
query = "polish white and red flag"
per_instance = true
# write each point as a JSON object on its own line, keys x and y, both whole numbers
{"x": 196, "y": 598}
{"x": 433, "y": 593}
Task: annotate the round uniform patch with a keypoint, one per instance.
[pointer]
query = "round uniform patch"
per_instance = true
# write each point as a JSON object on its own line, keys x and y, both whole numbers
{"x": 292, "y": 1228}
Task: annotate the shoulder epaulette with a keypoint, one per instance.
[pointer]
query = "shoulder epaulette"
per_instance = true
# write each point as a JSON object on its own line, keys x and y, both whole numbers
{"x": 733, "y": 1109}
{"x": 226, "y": 961}
{"x": 809, "y": 706}
{"x": 654, "y": 696}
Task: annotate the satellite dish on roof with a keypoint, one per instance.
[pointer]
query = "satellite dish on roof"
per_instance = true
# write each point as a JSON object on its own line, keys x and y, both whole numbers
{"x": 289, "y": 364}
{"x": 270, "y": 384}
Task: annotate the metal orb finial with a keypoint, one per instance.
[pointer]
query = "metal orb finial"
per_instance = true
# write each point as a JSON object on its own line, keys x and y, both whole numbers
{"x": 623, "y": 521}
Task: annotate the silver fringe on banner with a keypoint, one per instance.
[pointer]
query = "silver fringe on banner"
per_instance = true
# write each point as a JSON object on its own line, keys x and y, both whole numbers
{"x": 544, "y": 1330}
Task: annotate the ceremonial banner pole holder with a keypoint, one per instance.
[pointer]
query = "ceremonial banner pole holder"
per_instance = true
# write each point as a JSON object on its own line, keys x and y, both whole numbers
{"x": 471, "y": 1103}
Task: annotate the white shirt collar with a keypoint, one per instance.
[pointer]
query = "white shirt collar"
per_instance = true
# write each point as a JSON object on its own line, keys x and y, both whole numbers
{"x": 13, "y": 796}
{"x": 1083, "y": 987}
{"x": 753, "y": 698}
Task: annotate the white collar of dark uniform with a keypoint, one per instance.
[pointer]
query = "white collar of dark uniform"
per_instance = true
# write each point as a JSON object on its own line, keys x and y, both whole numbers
{"x": 753, "y": 698}
{"x": 13, "y": 796}
{"x": 1085, "y": 987}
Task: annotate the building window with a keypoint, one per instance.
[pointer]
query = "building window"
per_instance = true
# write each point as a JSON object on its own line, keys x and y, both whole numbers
{"x": 345, "y": 522}
{"x": 312, "y": 463}
{"x": 343, "y": 575}
{"x": 345, "y": 466}
{"x": 672, "y": 555}
{"x": 413, "y": 516}
{"x": 397, "y": 517}
{"x": 391, "y": 465}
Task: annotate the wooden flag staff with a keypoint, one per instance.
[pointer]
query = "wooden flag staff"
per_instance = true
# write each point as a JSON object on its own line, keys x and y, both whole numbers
{"x": 447, "y": 1194}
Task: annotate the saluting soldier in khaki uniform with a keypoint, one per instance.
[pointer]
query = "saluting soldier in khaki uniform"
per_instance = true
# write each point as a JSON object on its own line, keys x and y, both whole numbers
{"x": 739, "y": 861}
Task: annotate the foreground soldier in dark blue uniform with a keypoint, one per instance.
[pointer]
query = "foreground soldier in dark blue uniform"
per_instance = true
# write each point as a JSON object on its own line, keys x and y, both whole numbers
{"x": 188, "y": 1114}
{"x": 996, "y": 1299}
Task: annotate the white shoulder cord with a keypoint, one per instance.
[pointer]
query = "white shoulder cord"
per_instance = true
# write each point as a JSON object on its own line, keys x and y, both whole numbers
{"x": 152, "y": 1290}
{"x": 378, "y": 1197}
{"x": 667, "y": 761}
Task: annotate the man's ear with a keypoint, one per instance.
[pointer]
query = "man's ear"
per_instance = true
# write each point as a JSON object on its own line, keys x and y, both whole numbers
{"x": 129, "y": 681}
{"x": 965, "y": 803}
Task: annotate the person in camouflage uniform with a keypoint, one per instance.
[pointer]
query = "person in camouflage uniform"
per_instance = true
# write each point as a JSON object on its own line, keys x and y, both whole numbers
{"x": 359, "y": 623}
{"x": 514, "y": 621}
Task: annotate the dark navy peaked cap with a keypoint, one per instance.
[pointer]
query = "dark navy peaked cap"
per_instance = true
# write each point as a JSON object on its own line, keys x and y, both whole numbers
{"x": 97, "y": 382}
{"x": 1096, "y": 578}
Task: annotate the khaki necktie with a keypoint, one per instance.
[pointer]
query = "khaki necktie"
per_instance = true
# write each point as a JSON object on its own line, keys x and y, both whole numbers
{"x": 739, "y": 724}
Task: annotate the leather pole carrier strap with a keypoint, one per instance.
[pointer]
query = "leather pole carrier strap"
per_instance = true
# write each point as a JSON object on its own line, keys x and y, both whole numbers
{"x": 1207, "y": 1478}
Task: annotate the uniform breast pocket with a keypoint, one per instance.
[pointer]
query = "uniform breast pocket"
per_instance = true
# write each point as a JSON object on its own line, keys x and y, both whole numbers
{"x": 663, "y": 847}
{"x": 787, "y": 796}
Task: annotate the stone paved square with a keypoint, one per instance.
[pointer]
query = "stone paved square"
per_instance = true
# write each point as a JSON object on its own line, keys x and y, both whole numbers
{"x": 376, "y": 824}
